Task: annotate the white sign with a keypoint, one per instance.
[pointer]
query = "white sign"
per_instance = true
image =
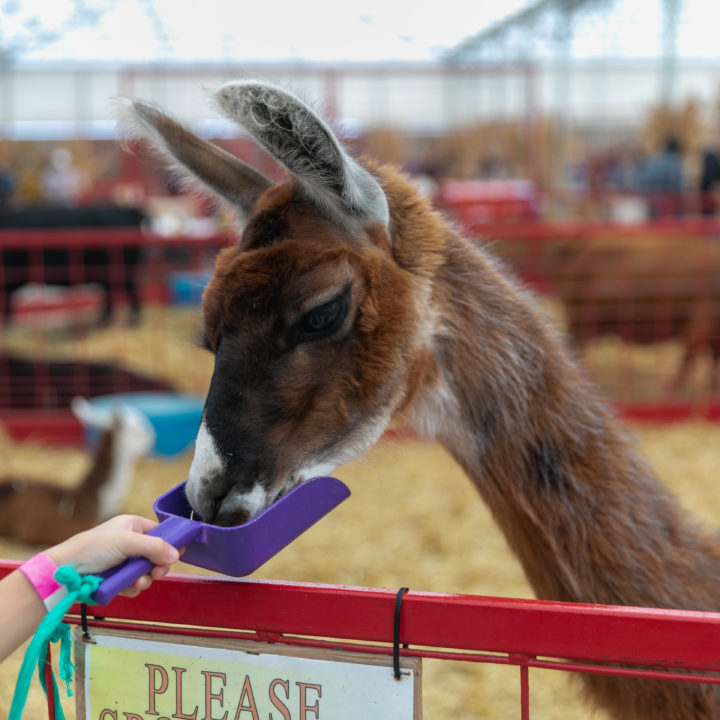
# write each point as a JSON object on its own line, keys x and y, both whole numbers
{"x": 143, "y": 676}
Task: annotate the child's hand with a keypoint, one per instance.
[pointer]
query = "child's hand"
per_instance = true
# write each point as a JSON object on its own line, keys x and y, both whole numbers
{"x": 112, "y": 542}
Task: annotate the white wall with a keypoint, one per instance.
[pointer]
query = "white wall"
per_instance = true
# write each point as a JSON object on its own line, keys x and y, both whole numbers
{"x": 52, "y": 99}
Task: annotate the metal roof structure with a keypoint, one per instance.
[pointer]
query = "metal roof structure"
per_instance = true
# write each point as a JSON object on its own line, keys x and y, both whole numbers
{"x": 566, "y": 30}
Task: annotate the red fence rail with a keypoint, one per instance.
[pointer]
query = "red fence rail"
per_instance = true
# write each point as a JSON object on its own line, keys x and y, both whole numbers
{"x": 674, "y": 645}
{"x": 154, "y": 265}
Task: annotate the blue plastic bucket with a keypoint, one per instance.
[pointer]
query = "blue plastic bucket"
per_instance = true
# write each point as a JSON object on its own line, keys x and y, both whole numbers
{"x": 175, "y": 418}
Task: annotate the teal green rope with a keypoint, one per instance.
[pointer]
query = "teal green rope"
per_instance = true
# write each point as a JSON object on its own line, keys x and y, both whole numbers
{"x": 51, "y": 629}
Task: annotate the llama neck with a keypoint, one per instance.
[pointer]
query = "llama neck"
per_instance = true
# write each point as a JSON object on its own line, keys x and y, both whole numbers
{"x": 109, "y": 476}
{"x": 584, "y": 514}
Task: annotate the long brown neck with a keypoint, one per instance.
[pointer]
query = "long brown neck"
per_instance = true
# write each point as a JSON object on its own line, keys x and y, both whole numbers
{"x": 586, "y": 517}
{"x": 99, "y": 470}
{"x": 109, "y": 478}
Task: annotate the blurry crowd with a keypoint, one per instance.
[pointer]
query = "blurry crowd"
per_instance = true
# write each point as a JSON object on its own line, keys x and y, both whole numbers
{"x": 671, "y": 180}
{"x": 59, "y": 183}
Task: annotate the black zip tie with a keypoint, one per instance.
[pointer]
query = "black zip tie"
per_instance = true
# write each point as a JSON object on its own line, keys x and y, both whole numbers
{"x": 83, "y": 622}
{"x": 396, "y": 632}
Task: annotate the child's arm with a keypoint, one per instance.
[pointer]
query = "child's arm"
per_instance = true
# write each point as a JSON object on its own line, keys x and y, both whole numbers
{"x": 92, "y": 551}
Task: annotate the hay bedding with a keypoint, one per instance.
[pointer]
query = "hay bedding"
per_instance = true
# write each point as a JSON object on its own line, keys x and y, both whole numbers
{"x": 413, "y": 520}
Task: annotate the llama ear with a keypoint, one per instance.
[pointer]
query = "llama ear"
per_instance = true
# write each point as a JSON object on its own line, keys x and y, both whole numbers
{"x": 90, "y": 415}
{"x": 130, "y": 416}
{"x": 196, "y": 159}
{"x": 134, "y": 416}
{"x": 296, "y": 137}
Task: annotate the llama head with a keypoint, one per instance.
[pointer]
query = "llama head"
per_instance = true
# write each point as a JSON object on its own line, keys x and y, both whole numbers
{"x": 313, "y": 324}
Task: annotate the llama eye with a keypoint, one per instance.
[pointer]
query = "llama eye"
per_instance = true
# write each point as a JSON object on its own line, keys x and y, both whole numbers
{"x": 326, "y": 319}
{"x": 321, "y": 319}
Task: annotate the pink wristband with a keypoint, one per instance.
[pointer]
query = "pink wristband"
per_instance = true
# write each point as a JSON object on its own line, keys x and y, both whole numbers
{"x": 40, "y": 572}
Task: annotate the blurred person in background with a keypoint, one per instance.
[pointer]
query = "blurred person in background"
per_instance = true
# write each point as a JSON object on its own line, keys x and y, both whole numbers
{"x": 62, "y": 183}
{"x": 662, "y": 178}
{"x": 7, "y": 187}
{"x": 710, "y": 175}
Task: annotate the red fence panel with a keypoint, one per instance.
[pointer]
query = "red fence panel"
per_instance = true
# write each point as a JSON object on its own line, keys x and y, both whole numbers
{"x": 673, "y": 639}
{"x": 115, "y": 269}
{"x": 625, "y": 641}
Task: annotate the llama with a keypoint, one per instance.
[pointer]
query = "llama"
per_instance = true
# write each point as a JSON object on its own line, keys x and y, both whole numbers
{"x": 651, "y": 290}
{"x": 348, "y": 305}
{"x": 37, "y": 513}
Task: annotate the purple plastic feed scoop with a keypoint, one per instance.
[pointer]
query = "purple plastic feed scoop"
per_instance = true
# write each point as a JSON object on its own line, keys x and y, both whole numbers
{"x": 237, "y": 550}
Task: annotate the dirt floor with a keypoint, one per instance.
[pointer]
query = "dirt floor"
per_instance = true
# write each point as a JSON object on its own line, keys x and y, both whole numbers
{"x": 413, "y": 519}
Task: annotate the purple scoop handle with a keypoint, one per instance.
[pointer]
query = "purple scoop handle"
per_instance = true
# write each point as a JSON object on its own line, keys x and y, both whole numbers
{"x": 177, "y": 531}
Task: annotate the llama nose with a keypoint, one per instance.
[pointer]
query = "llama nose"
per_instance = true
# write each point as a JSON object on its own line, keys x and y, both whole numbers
{"x": 231, "y": 518}
{"x": 223, "y": 510}
{"x": 211, "y": 512}
{"x": 230, "y": 509}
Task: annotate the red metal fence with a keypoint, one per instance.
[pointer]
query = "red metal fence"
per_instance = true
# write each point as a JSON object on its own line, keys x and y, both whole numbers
{"x": 671, "y": 645}
{"x": 62, "y": 287}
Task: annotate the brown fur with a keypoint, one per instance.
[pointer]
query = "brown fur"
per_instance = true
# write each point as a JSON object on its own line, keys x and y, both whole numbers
{"x": 268, "y": 280}
{"x": 37, "y": 513}
{"x": 437, "y": 335}
{"x": 648, "y": 291}
{"x": 584, "y": 514}
{"x": 582, "y": 511}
